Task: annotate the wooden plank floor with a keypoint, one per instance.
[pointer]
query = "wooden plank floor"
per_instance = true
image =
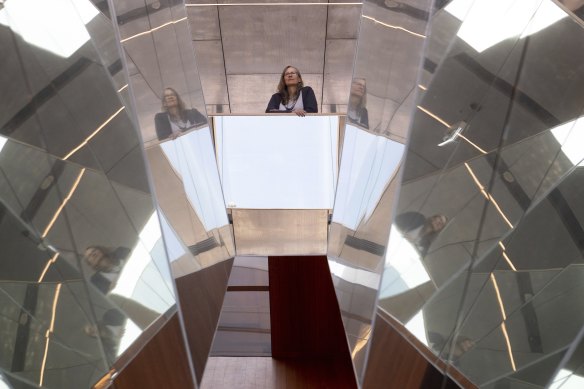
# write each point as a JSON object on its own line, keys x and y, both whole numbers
{"x": 268, "y": 373}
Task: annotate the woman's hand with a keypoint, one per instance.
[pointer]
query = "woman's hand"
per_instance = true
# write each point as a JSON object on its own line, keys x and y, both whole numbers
{"x": 300, "y": 112}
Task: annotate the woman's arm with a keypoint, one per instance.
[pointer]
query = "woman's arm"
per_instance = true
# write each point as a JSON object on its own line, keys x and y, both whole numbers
{"x": 309, "y": 100}
{"x": 274, "y": 104}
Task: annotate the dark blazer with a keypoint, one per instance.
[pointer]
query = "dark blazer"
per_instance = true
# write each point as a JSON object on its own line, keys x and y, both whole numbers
{"x": 363, "y": 118}
{"x": 308, "y": 99}
{"x": 162, "y": 123}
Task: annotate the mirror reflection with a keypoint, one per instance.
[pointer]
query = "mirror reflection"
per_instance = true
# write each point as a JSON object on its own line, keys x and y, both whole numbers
{"x": 484, "y": 245}
{"x": 381, "y": 97}
{"x": 164, "y": 81}
{"x": 84, "y": 265}
{"x": 163, "y": 76}
{"x": 175, "y": 118}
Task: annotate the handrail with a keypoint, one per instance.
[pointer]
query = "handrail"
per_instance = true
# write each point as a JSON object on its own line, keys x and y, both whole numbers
{"x": 277, "y": 114}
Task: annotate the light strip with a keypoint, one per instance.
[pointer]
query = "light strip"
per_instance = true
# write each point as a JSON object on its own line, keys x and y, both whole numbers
{"x": 500, "y": 211}
{"x": 509, "y": 351}
{"x": 264, "y": 4}
{"x": 48, "y": 333}
{"x": 509, "y": 261}
{"x": 503, "y": 326}
{"x": 153, "y": 29}
{"x": 395, "y": 27}
{"x": 44, "y": 362}
{"x": 506, "y": 257}
{"x": 56, "y": 215}
{"x": 499, "y": 299}
{"x": 443, "y": 122}
{"x": 422, "y": 87}
{"x": 471, "y": 143}
{"x": 122, "y": 88}
{"x": 433, "y": 116}
{"x": 93, "y": 134}
{"x": 476, "y": 180}
{"x": 488, "y": 195}
{"x": 49, "y": 263}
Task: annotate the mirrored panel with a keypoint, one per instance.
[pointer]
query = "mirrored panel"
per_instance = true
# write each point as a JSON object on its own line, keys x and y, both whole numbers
{"x": 84, "y": 265}
{"x": 382, "y": 94}
{"x": 484, "y": 247}
{"x": 166, "y": 89}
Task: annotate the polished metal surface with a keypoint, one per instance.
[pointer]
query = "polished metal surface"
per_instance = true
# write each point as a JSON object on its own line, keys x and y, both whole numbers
{"x": 265, "y": 232}
{"x": 83, "y": 265}
{"x": 386, "y": 68}
{"x": 242, "y": 47}
{"x": 156, "y": 40}
{"x": 164, "y": 81}
{"x": 483, "y": 261}
{"x": 484, "y": 256}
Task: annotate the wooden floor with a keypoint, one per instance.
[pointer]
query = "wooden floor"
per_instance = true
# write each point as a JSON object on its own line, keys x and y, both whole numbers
{"x": 268, "y": 373}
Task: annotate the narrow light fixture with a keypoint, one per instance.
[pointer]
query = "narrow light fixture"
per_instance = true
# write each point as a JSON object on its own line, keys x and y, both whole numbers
{"x": 434, "y": 116}
{"x": 471, "y": 143}
{"x": 48, "y": 334}
{"x": 94, "y": 133}
{"x": 476, "y": 180}
{"x": 49, "y": 263}
{"x": 500, "y": 211}
{"x": 395, "y": 27}
{"x": 509, "y": 261}
{"x": 503, "y": 326}
{"x": 488, "y": 195}
{"x": 506, "y": 257}
{"x": 153, "y": 29}
{"x": 58, "y": 212}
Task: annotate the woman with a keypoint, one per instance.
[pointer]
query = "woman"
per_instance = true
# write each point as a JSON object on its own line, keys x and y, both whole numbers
{"x": 175, "y": 118}
{"x": 419, "y": 230}
{"x": 292, "y": 95}
{"x": 357, "y": 112}
{"x": 107, "y": 264}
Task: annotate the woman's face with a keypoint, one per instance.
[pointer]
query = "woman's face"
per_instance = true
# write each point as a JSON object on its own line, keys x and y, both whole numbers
{"x": 291, "y": 77}
{"x": 97, "y": 259}
{"x": 438, "y": 222}
{"x": 170, "y": 98}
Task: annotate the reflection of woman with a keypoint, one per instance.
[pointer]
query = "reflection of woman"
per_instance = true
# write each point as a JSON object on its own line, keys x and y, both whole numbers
{"x": 108, "y": 265}
{"x": 419, "y": 230}
{"x": 292, "y": 95}
{"x": 454, "y": 352}
{"x": 175, "y": 118}
{"x": 357, "y": 112}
